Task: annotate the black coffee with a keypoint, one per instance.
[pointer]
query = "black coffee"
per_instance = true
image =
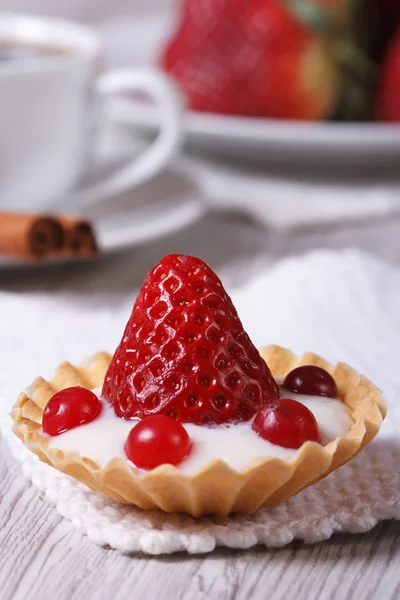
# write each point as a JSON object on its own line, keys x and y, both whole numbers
{"x": 12, "y": 52}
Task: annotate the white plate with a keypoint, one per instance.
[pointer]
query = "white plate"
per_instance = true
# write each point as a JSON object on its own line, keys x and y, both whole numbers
{"x": 168, "y": 203}
{"x": 275, "y": 141}
{"x": 139, "y": 41}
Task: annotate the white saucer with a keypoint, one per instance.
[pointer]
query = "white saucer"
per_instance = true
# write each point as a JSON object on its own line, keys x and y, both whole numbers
{"x": 168, "y": 203}
{"x": 140, "y": 41}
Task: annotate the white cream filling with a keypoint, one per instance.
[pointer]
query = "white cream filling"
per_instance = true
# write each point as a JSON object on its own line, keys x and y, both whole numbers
{"x": 238, "y": 445}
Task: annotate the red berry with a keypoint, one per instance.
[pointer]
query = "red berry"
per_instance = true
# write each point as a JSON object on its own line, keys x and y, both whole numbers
{"x": 288, "y": 423}
{"x": 311, "y": 380}
{"x": 184, "y": 352}
{"x": 252, "y": 57}
{"x": 157, "y": 440}
{"x": 388, "y": 88}
{"x": 70, "y": 408}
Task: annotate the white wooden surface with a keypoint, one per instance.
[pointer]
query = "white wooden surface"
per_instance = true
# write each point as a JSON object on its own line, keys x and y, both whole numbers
{"x": 43, "y": 558}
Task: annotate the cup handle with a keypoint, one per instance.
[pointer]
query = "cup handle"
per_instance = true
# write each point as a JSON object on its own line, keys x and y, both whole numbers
{"x": 169, "y": 100}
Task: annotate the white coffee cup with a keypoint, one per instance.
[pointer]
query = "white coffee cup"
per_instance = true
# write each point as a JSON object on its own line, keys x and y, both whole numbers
{"x": 50, "y": 108}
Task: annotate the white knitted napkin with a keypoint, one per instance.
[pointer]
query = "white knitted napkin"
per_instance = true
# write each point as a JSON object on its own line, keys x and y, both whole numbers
{"x": 341, "y": 305}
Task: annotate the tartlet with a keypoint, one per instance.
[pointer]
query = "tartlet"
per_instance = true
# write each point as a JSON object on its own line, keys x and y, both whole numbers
{"x": 216, "y": 489}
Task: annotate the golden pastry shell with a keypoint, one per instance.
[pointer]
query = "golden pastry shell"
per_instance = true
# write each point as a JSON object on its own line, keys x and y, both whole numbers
{"x": 216, "y": 489}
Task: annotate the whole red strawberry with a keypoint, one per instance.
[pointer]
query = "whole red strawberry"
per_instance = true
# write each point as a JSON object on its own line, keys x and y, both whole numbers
{"x": 388, "y": 95}
{"x": 184, "y": 352}
{"x": 251, "y": 57}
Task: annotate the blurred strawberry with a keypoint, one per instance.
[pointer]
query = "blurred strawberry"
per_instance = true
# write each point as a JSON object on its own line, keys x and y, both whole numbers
{"x": 250, "y": 57}
{"x": 260, "y": 57}
{"x": 388, "y": 94}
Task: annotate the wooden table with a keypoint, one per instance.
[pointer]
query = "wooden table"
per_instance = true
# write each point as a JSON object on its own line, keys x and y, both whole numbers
{"x": 43, "y": 558}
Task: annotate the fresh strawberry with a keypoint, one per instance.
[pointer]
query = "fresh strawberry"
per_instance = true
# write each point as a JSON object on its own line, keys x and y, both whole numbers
{"x": 251, "y": 57}
{"x": 265, "y": 58}
{"x": 388, "y": 94}
{"x": 184, "y": 352}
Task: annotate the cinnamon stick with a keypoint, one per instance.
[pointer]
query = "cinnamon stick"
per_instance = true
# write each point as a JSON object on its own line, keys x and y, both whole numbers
{"x": 80, "y": 240}
{"x": 32, "y": 237}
